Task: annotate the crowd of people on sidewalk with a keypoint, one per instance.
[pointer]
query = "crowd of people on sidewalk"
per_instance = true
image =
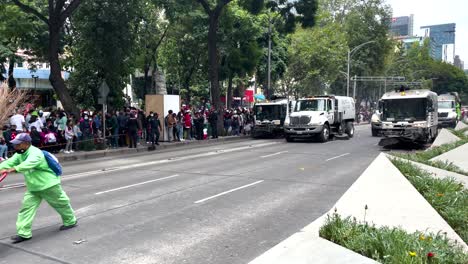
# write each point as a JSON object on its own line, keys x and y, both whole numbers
{"x": 59, "y": 131}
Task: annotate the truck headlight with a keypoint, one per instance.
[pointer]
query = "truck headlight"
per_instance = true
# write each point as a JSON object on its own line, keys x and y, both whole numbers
{"x": 286, "y": 121}
{"x": 452, "y": 115}
{"x": 419, "y": 125}
{"x": 316, "y": 123}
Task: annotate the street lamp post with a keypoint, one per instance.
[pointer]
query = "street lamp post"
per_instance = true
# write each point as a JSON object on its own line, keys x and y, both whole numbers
{"x": 350, "y": 53}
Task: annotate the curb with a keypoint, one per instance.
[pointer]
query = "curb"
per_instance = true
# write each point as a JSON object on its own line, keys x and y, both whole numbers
{"x": 142, "y": 149}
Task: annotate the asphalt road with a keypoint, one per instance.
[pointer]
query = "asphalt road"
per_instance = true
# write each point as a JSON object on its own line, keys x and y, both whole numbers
{"x": 224, "y": 203}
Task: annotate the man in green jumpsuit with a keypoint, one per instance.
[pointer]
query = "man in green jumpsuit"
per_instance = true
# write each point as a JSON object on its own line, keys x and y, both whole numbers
{"x": 41, "y": 183}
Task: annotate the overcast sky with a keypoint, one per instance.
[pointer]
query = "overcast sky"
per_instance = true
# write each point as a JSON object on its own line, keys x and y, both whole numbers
{"x": 432, "y": 12}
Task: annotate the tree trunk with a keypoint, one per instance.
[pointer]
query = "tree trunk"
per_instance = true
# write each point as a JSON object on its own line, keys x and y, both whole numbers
{"x": 11, "y": 78}
{"x": 55, "y": 77}
{"x": 213, "y": 69}
{"x": 229, "y": 92}
{"x": 145, "y": 85}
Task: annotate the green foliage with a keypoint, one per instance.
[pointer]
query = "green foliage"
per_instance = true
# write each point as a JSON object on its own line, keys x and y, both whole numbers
{"x": 104, "y": 43}
{"x": 314, "y": 54}
{"x": 426, "y": 156}
{"x": 448, "y": 197}
{"x": 391, "y": 245}
{"x": 183, "y": 55}
{"x": 19, "y": 31}
{"x": 239, "y": 49}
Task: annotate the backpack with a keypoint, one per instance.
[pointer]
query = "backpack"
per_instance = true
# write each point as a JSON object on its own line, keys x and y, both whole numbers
{"x": 53, "y": 163}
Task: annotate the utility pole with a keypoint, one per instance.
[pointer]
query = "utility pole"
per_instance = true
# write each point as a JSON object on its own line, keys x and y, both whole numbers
{"x": 355, "y": 84}
{"x": 269, "y": 58}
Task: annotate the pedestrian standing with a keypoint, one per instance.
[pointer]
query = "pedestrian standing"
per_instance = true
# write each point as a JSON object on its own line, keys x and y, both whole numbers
{"x": 69, "y": 135}
{"x": 154, "y": 128}
{"x": 3, "y": 149}
{"x": 213, "y": 120}
{"x": 18, "y": 121}
{"x": 41, "y": 184}
{"x": 170, "y": 122}
{"x": 132, "y": 127}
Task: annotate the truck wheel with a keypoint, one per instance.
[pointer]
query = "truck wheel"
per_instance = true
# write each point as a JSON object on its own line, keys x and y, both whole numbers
{"x": 375, "y": 133}
{"x": 350, "y": 129}
{"x": 288, "y": 138}
{"x": 325, "y": 135}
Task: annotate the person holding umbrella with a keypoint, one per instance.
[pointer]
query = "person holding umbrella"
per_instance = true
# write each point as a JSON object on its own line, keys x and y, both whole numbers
{"x": 41, "y": 183}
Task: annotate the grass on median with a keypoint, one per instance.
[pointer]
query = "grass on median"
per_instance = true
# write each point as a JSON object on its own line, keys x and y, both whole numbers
{"x": 448, "y": 197}
{"x": 391, "y": 245}
{"x": 460, "y": 133}
{"x": 426, "y": 156}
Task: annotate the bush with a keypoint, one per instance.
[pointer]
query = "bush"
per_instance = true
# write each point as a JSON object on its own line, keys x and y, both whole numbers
{"x": 391, "y": 245}
{"x": 425, "y": 156}
{"x": 448, "y": 197}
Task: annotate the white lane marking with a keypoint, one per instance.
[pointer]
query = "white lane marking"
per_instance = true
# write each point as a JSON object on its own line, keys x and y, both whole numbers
{"x": 136, "y": 184}
{"x": 274, "y": 154}
{"x": 337, "y": 157}
{"x": 96, "y": 172}
{"x": 84, "y": 209}
{"x": 230, "y": 191}
{"x": 89, "y": 173}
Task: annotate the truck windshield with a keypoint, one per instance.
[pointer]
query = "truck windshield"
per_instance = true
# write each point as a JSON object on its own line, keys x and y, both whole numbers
{"x": 311, "y": 105}
{"x": 404, "y": 110}
{"x": 270, "y": 112}
{"x": 446, "y": 104}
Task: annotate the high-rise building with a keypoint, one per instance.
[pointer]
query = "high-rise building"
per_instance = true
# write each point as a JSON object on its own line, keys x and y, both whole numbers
{"x": 402, "y": 26}
{"x": 441, "y": 37}
{"x": 458, "y": 63}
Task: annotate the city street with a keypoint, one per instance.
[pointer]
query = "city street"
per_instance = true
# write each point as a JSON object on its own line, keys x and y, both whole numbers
{"x": 218, "y": 203}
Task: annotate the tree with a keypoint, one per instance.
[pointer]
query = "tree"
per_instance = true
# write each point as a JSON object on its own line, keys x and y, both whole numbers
{"x": 239, "y": 49}
{"x": 17, "y": 31}
{"x": 59, "y": 11}
{"x": 104, "y": 44}
{"x": 302, "y": 11}
{"x": 315, "y": 56}
{"x": 151, "y": 34}
{"x": 183, "y": 55}
{"x": 363, "y": 21}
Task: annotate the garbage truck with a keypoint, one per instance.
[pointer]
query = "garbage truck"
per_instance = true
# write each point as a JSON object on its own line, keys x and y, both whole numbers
{"x": 269, "y": 118}
{"x": 321, "y": 117}
{"x": 408, "y": 116}
{"x": 447, "y": 110}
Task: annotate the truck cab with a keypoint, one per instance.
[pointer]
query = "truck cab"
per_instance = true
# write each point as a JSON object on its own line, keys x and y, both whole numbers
{"x": 447, "y": 112}
{"x": 408, "y": 116}
{"x": 269, "y": 118}
{"x": 322, "y": 117}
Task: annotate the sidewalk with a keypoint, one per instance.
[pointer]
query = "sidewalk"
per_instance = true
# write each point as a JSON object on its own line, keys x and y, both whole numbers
{"x": 84, "y": 155}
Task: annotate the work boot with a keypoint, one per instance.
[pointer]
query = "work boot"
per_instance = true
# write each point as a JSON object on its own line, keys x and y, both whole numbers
{"x": 63, "y": 228}
{"x": 18, "y": 239}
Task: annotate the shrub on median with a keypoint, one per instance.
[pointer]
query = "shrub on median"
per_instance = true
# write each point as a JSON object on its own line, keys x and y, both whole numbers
{"x": 448, "y": 197}
{"x": 391, "y": 245}
{"x": 426, "y": 156}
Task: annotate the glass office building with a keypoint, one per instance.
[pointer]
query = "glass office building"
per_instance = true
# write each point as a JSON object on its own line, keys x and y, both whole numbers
{"x": 440, "y": 37}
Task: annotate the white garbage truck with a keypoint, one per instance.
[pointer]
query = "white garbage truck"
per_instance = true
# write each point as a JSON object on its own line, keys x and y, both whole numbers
{"x": 321, "y": 117}
{"x": 269, "y": 118}
{"x": 408, "y": 116}
{"x": 447, "y": 112}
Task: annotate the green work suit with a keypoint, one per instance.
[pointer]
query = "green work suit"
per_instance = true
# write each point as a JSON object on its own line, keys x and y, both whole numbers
{"x": 41, "y": 183}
